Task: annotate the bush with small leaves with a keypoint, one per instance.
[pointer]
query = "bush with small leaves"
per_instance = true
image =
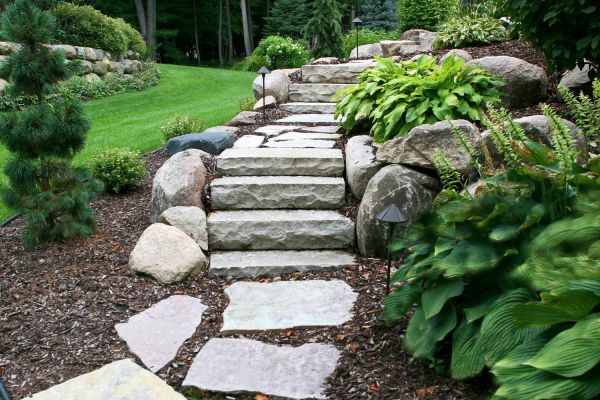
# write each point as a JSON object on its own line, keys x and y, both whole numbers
{"x": 425, "y": 14}
{"x": 119, "y": 169}
{"x": 181, "y": 125}
{"x": 247, "y": 104}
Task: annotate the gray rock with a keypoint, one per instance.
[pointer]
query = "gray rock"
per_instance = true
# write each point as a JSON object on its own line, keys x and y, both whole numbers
{"x": 315, "y": 92}
{"x": 167, "y": 254}
{"x": 89, "y": 54}
{"x": 526, "y": 84}
{"x": 396, "y": 47}
{"x": 244, "y": 118}
{"x": 578, "y": 80}
{"x": 255, "y": 306}
{"x": 272, "y": 192}
{"x": 179, "y": 182}
{"x": 222, "y": 128}
{"x": 120, "y": 380}
{"x": 249, "y": 142}
{"x": 274, "y": 130}
{"x": 417, "y": 147}
{"x": 276, "y": 85}
{"x": 212, "y": 143}
{"x": 336, "y": 73}
{"x": 70, "y": 51}
{"x": 156, "y": 334}
{"x": 7, "y": 48}
{"x": 189, "y": 220}
{"x": 458, "y": 53}
{"x": 99, "y": 68}
{"x": 426, "y": 40}
{"x": 266, "y": 103}
{"x": 325, "y": 60}
{"x": 413, "y": 192}
{"x": 252, "y": 264}
{"x": 301, "y": 144}
{"x": 323, "y": 119}
{"x": 91, "y": 77}
{"x": 308, "y": 108}
{"x": 88, "y": 67}
{"x": 367, "y": 51}
{"x": 361, "y": 165}
{"x": 307, "y": 136}
{"x": 279, "y": 230}
{"x": 291, "y": 162}
{"x": 413, "y": 34}
{"x": 319, "y": 129}
{"x": 249, "y": 366}
{"x": 116, "y": 67}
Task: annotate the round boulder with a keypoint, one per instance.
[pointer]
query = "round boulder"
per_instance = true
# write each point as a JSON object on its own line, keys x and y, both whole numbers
{"x": 413, "y": 192}
{"x": 190, "y": 220}
{"x": 414, "y": 34}
{"x": 179, "y": 182}
{"x": 167, "y": 254}
{"x": 526, "y": 84}
{"x": 367, "y": 51}
{"x": 277, "y": 85}
{"x": 578, "y": 80}
{"x": 360, "y": 164}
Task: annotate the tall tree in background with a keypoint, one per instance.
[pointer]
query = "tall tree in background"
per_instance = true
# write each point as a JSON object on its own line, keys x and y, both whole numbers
{"x": 147, "y": 21}
{"x": 229, "y": 33}
{"x": 246, "y": 27}
{"x": 379, "y": 14}
{"x": 288, "y": 18}
{"x": 324, "y": 29}
{"x": 45, "y": 188}
{"x": 220, "y": 35}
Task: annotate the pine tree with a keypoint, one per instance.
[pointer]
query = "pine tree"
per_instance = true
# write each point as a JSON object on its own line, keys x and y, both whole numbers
{"x": 324, "y": 30}
{"x": 379, "y": 15}
{"x": 52, "y": 196}
{"x": 288, "y": 18}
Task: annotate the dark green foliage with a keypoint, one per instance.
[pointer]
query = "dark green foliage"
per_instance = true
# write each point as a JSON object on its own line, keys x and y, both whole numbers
{"x": 425, "y": 14}
{"x": 52, "y": 196}
{"x": 586, "y": 112}
{"x": 135, "y": 40}
{"x": 379, "y": 15}
{"x": 119, "y": 169}
{"x": 324, "y": 30}
{"x": 470, "y": 31}
{"x": 276, "y": 52}
{"x": 288, "y": 18}
{"x": 568, "y": 32}
{"x": 366, "y": 36}
{"x": 396, "y": 97}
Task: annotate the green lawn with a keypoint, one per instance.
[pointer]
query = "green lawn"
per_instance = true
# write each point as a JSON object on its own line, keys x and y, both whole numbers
{"x": 132, "y": 119}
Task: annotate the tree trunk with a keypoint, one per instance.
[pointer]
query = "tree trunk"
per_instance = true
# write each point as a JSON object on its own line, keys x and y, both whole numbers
{"x": 151, "y": 27}
{"x": 246, "y": 28}
{"x": 196, "y": 35}
{"x": 250, "y": 30}
{"x": 141, "y": 14}
{"x": 229, "y": 33}
{"x": 220, "y": 34}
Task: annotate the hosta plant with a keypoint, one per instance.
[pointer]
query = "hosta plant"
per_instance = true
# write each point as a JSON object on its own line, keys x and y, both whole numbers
{"x": 468, "y": 269}
{"x": 470, "y": 31}
{"x": 396, "y": 97}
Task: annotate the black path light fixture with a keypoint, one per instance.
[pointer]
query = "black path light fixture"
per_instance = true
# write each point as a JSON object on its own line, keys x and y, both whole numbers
{"x": 357, "y": 22}
{"x": 264, "y": 71}
{"x": 392, "y": 216}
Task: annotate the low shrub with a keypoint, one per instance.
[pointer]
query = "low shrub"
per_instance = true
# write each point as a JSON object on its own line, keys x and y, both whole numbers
{"x": 276, "y": 52}
{"x": 135, "y": 40}
{"x": 396, "y": 97}
{"x": 425, "y": 14}
{"x": 119, "y": 169}
{"x": 247, "y": 104}
{"x": 181, "y": 125}
{"x": 366, "y": 36}
{"x": 470, "y": 31}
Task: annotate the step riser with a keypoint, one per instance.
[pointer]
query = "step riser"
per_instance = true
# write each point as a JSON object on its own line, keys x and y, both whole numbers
{"x": 309, "y": 108}
{"x": 336, "y": 73}
{"x": 314, "y": 93}
{"x": 239, "y": 196}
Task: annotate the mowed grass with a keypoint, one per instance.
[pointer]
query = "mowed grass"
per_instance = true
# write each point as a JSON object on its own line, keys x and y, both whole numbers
{"x": 132, "y": 120}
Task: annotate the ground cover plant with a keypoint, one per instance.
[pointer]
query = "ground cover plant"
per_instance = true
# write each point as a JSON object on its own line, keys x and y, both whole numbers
{"x": 508, "y": 278}
{"x": 470, "y": 31}
{"x": 395, "y": 97}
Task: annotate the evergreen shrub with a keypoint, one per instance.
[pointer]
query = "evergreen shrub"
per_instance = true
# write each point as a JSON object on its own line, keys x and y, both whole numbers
{"x": 425, "y": 14}
{"x": 366, "y": 36}
{"x": 324, "y": 30}
{"x": 119, "y": 169}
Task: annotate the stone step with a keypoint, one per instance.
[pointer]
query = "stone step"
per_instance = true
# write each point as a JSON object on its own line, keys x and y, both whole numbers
{"x": 309, "y": 108}
{"x": 310, "y": 119}
{"x": 335, "y": 73}
{"x": 307, "y": 136}
{"x": 301, "y": 144}
{"x": 273, "y": 192}
{"x": 251, "y": 264}
{"x": 291, "y": 162}
{"x": 279, "y": 230}
{"x": 315, "y": 92}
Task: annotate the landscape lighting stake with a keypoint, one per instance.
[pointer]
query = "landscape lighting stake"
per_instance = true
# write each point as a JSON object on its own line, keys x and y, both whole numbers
{"x": 392, "y": 216}
{"x": 264, "y": 71}
{"x": 356, "y": 21}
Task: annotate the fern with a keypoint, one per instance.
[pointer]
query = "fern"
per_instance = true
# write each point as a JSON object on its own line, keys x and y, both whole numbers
{"x": 585, "y": 111}
{"x": 564, "y": 143}
{"x": 466, "y": 144}
{"x": 450, "y": 177}
{"x": 496, "y": 123}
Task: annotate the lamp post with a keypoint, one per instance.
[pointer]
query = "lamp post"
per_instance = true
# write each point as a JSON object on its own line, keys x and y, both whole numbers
{"x": 391, "y": 216}
{"x": 264, "y": 71}
{"x": 357, "y": 21}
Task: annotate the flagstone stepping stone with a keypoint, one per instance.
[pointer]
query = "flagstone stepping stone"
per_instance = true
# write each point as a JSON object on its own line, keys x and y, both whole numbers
{"x": 190, "y": 220}
{"x": 308, "y": 108}
{"x": 265, "y": 161}
{"x": 279, "y": 230}
{"x": 307, "y": 136}
{"x": 270, "y": 192}
{"x": 301, "y": 144}
{"x": 249, "y": 142}
{"x": 319, "y": 129}
{"x": 247, "y": 366}
{"x": 120, "y": 380}
{"x": 259, "y": 263}
{"x": 274, "y": 130}
{"x": 255, "y": 306}
{"x": 315, "y": 93}
{"x": 326, "y": 119}
{"x": 156, "y": 334}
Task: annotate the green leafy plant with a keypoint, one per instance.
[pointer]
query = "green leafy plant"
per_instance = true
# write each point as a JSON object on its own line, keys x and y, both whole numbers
{"x": 396, "y": 97}
{"x": 568, "y": 32}
{"x": 135, "y": 40}
{"x": 181, "y": 125}
{"x": 119, "y": 169}
{"x": 586, "y": 112}
{"x": 425, "y": 14}
{"x": 276, "y": 52}
{"x": 324, "y": 30}
{"x": 366, "y": 36}
{"x": 247, "y": 104}
{"x": 52, "y": 195}
{"x": 470, "y": 31}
